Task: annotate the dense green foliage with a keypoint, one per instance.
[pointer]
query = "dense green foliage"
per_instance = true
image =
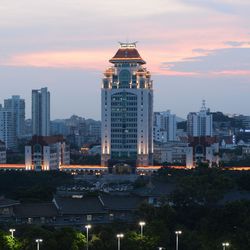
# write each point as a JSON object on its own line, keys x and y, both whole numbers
{"x": 203, "y": 228}
{"x": 194, "y": 207}
{"x": 32, "y": 186}
{"x": 61, "y": 239}
{"x": 202, "y": 187}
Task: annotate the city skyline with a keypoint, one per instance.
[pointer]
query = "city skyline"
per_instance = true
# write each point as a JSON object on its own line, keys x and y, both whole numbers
{"x": 195, "y": 50}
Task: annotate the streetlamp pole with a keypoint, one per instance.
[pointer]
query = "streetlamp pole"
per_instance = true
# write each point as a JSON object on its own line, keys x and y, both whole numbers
{"x": 119, "y": 237}
{"x": 87, "y": 232}
{"x": 38, "y": 241}
{"x": 142, "y": 224}
{"x": 224, "y": 245}
{"x": 12, "y": 230}
{"x": 177, "y": 238}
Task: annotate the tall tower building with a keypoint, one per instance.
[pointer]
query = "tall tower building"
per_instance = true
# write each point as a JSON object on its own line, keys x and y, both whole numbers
{"x": 41, "y": 112}
{"x": 201, "y": 123}
{"x": 127, "y": 110}
{"x": 17, "y": 107}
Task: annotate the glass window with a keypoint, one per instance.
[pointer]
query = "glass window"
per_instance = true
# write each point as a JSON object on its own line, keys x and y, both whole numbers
{"x": 124, "y": 79}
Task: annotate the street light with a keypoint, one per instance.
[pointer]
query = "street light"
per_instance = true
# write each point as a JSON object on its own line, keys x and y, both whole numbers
{"x": 177, "y": 238}
{"x": 38, "y": 241}
{"x": 12, "y": 230}
{"x": 225, "y": 244}
{"x": 87, "y": 230}
{"x": 142, "y": 224}
{"x": 119, "y": 237}
{"x": 161, "y": 248}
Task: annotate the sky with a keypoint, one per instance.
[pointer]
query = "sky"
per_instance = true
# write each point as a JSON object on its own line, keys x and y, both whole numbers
{"x": 195, "y": 50}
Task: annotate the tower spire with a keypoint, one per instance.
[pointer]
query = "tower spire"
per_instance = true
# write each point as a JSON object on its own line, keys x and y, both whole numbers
{"x": 128, "y": 44}
{"x": 203, "y": 107}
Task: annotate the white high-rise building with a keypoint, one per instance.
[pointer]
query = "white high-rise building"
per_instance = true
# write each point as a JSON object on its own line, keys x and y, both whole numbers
{"x": 41, "y": 112}
{"x": 201, "y": 123}
{"x": 7, "y": 128}
{"x": 164, "y": 126}
{"x": 17, "y": 107}
{"x": 127, "y": 109}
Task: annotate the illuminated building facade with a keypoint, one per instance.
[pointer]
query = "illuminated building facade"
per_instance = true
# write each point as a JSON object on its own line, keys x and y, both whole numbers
{"x": 127, "y": 109}
{"x": 202, "y": 149}
{"x": 46, "y": 153}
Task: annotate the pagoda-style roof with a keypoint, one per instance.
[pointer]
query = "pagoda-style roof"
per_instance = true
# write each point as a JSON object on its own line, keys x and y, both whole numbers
{"x": 127, "y": 53}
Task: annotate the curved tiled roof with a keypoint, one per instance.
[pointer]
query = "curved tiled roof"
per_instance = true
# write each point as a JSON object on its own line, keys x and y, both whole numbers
{"x": 127, "y": 54}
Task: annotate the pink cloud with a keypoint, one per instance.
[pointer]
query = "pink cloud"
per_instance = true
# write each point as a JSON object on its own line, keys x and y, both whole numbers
{"x": 61, "y": 59}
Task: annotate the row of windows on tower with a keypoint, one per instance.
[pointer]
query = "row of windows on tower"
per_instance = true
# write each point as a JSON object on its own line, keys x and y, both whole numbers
{"x": 123, "y": 96}
{"x": 123, "y": 135}
{"x": 126, "y": 65}
{"x": 120, "y": 114}
{"x": 131, "y": 130}
{"x": 123, "y": 109}
{"x": 116, "y": 120}
{"x": 142, "y": 84}
{"x": 119, "y": 146}
{"x": 126, "y": 103}
{"x": 125, "y": 124}
{"x": 117, "y": 85}
{"x": 126, "y": 98}
{"x": 123, "y": 141}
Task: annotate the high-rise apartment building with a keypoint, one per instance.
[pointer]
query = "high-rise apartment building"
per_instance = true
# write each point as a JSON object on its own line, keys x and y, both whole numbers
{"x": 127, "y": 109}
{"x": 17, "y": 108}
{"x": 164, "y": 127}
{"x": 12, "y": 118}
{"x": 200, "y": 123}
{"x": 41, "y": 112}
{"x": 7, "y": 128}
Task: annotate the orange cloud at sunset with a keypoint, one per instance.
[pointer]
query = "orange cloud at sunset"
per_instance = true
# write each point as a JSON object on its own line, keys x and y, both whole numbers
{"x": 68, "y": 59}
